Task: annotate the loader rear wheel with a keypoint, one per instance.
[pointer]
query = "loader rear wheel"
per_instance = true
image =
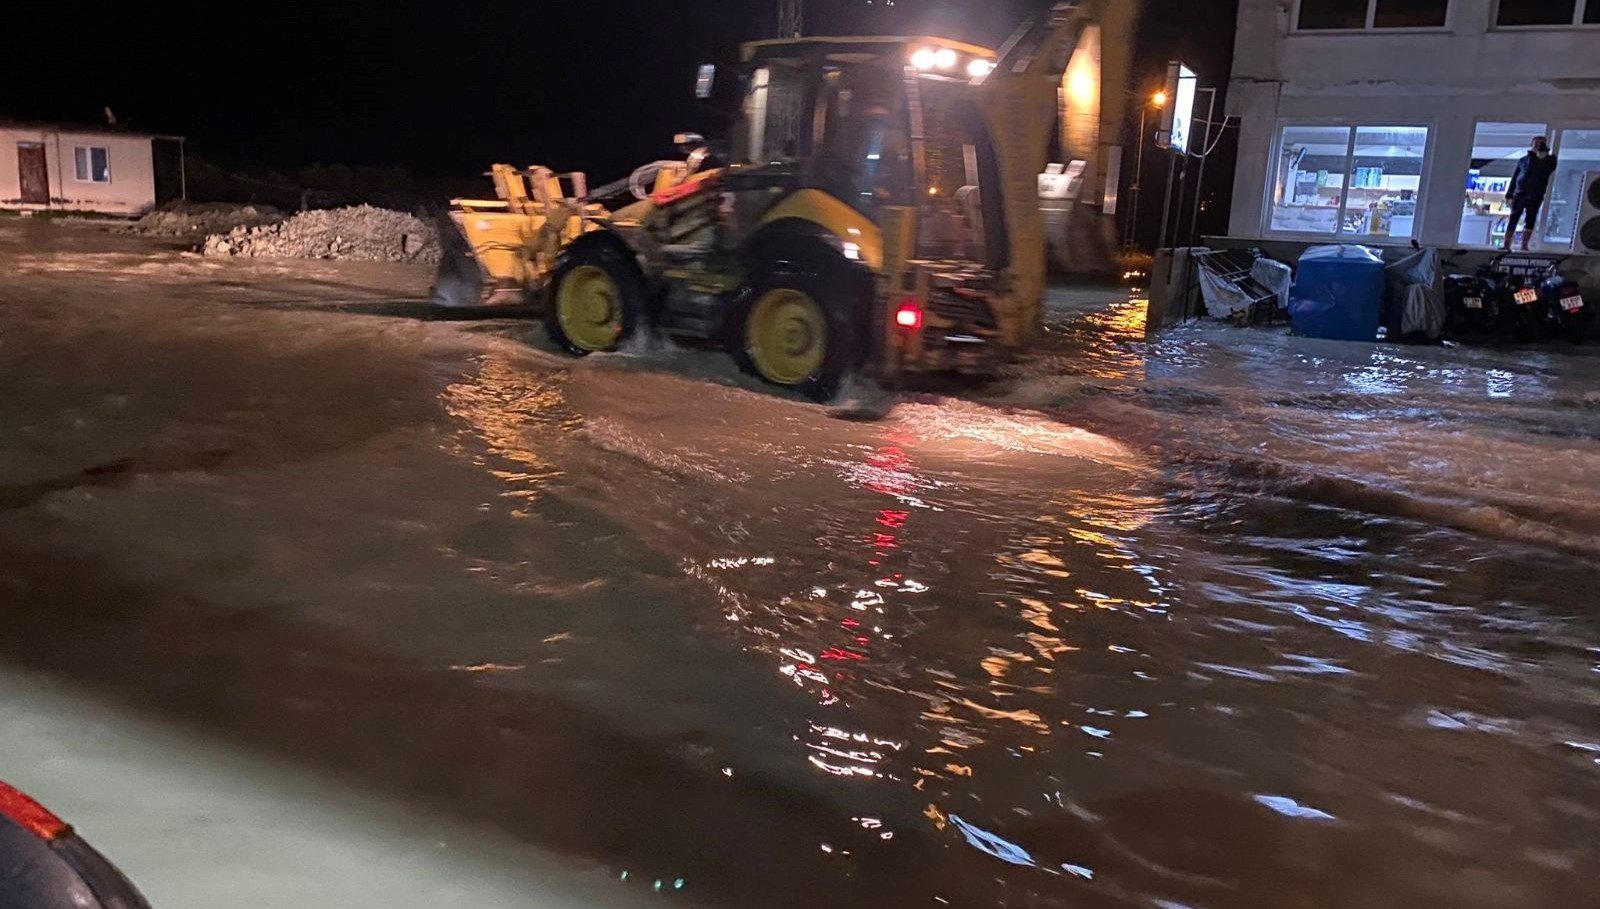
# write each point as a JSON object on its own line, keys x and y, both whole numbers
{"x": 786, "y": 335}
{"x": 798, "y": 331}
{"x": 596, "y": 298}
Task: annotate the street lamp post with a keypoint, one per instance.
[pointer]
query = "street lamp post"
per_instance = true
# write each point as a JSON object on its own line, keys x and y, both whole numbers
{"x": 1157, "y": 101}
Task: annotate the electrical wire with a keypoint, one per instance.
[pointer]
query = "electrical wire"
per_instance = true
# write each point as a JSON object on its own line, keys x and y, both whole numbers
{"x": 1218, "y": 140}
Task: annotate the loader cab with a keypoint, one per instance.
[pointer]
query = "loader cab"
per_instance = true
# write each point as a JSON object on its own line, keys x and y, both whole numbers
{"x": 884, "y": 125}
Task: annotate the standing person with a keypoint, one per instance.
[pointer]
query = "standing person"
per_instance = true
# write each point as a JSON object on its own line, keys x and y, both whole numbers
{"x": 1530, "y": 183}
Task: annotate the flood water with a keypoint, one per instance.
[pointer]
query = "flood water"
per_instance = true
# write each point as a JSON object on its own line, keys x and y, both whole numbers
{"x": 1222, "y": 619}
{"x": 1227, "y": 619}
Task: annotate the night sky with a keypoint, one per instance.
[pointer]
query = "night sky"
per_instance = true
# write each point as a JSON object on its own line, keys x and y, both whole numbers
{"x": 447, "y": 86}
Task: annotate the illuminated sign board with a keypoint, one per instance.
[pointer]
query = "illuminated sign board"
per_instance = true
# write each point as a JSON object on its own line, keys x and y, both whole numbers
{"x": 1177, "y": 119}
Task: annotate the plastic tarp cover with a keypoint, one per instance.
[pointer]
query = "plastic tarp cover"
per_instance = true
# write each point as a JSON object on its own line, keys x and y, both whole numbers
{"x": 1414, "y": 297}
{"x": 1223, "y": 298}
{"x": 1274, "y": 276}
{"x": 1422, "y": 313}
{"x": 1338, "y": 293}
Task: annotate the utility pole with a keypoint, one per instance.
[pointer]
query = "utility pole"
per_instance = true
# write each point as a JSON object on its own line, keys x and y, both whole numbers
{"x": 791, "y": 18}
{"x": 1200, "y": 181}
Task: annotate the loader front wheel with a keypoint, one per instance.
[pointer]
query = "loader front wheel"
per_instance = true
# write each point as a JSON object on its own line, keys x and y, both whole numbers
{"x": 596, "y": 298}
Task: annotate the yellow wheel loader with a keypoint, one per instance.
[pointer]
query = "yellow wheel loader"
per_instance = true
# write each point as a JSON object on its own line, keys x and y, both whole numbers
{"x": 881, "y": 215}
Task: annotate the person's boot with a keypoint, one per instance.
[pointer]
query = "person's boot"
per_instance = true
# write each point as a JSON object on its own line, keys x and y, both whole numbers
{"x": 1527, "y": 236}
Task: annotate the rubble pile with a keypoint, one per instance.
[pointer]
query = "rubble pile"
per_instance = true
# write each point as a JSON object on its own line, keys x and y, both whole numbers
{"x": 361, "y": 233}
{"x": 200, "y": 219}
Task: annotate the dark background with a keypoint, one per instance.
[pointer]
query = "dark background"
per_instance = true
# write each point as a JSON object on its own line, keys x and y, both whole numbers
{"x": 439, "y": 89}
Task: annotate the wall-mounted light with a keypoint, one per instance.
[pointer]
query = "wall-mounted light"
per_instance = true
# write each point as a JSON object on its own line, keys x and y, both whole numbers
{"x": 1082, "y": 87}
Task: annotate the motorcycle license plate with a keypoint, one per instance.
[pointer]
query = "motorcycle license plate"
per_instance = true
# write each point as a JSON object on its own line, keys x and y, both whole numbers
{"x": 1572, "y": 304}
{"x": 1472, "y": 302}
{"x": 1526, "y": 295}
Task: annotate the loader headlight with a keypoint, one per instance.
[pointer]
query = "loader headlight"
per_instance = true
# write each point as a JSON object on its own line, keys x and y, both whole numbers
{"x": 945, "y": 58}
{"x": 926, "y": 58}
{"x": 980, "y": 67}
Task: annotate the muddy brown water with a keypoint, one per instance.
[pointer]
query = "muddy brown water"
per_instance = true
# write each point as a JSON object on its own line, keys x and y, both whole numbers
{"x": 1224, "y": 619}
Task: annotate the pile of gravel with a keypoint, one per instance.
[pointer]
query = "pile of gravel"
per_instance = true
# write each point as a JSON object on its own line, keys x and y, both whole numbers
{"x": 362, "y": 233}
{"x": 200, "y": 219}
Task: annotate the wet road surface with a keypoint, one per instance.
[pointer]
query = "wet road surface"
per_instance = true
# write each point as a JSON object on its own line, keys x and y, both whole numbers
{"x": 1227, "y": 619}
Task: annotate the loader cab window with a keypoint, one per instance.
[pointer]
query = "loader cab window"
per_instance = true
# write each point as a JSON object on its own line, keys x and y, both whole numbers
{"x": 954, "y": 155}
{"x": 862, "y": 153}
{"x": 771, "y": 129}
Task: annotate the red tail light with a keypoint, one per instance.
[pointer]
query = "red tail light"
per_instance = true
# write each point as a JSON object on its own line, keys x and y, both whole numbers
{"x": 909, "y": 315}
{"x": 29, "y": 814}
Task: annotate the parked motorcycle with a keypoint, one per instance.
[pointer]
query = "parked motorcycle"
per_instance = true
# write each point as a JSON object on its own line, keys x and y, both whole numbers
{"x": 1533, "y": 301}
{"x": 1520, "y": 313}
{"x": 1471, "y": 306}
{"x": 1564, "y": 309}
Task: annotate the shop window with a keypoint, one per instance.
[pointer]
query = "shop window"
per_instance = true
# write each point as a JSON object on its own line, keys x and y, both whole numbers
{"x": 1348, "y": 181}
{"x": 1496, "y": 149}
{"x": 91, "y": 164}
{"x": 1316, "y": 15}
{"x": 1578, "y": 153}
{"x": 1385, "y": 177}
{"x": 1546, "y": 12}
{"x": 1308, "y": 190}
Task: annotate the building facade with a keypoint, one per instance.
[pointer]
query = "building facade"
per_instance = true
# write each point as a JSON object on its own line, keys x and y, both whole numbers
{"x": 1384, "y": 121}
{"x": 62, "y": 167}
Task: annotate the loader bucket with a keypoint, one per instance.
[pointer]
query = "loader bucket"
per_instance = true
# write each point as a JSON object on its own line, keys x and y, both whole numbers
{"x": 460, "y": 281}
{"x": 482, "y": 262}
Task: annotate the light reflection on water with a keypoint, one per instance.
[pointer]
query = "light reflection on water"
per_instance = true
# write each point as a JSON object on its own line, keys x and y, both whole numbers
{"x": 1071, "y": 663}
{"x": 1121, "y": 676}
{"x": 502, "y": 406}
{"x": 936, "y": 640}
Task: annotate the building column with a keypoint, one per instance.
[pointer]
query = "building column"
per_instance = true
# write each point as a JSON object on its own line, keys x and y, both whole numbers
{"x": 1444, "y": 195}
{"x": 1256, "y": 106}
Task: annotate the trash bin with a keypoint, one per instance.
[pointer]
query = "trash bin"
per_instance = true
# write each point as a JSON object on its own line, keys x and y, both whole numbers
{"x": 1337, "y": 293}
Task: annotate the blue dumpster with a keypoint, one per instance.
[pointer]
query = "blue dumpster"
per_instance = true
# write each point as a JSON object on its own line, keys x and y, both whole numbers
{"x": 1337, "y": 293}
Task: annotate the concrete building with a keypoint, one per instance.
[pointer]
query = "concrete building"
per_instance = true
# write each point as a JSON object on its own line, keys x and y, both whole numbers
{"x": 67, "y": 167}
{"x": 1380, "y": 121}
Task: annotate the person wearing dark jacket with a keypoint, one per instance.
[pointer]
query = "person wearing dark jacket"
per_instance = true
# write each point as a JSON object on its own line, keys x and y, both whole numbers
{"x": 1529, "y": 185}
